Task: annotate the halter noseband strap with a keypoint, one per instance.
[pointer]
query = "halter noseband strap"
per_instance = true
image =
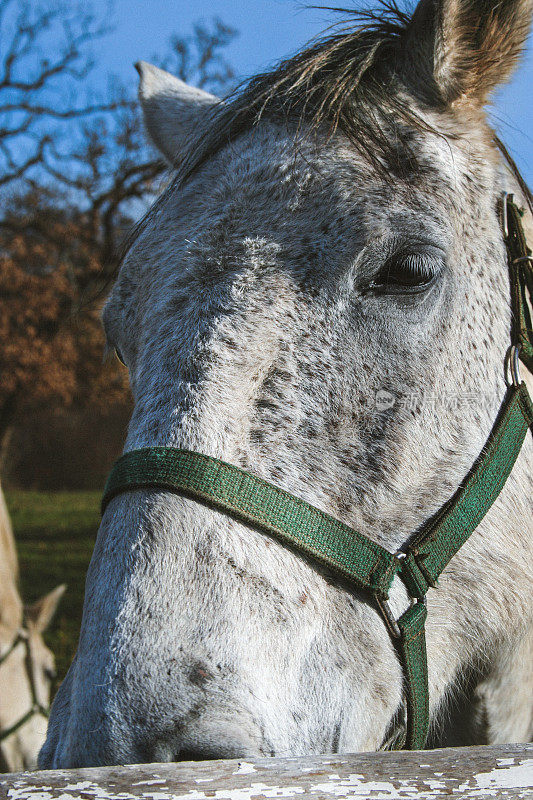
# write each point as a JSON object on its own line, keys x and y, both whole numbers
{"x": 364, "y": 564}
{"x": 36, "y": 707}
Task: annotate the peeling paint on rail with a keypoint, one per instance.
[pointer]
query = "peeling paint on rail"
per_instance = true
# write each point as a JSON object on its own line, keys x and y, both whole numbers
{"x": 474, "y": 772}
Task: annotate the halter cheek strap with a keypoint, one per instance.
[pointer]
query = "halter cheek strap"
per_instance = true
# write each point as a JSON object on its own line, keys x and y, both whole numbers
{"x": 360, "y": 561}
{"x": 521, "y": 279}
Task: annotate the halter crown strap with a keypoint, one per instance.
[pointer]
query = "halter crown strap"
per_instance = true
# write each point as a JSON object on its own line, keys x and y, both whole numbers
{"x": 351, "y": 555}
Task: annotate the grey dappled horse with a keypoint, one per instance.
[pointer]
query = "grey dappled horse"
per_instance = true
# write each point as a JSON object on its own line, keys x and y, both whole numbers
{"x": 321, "y": 297}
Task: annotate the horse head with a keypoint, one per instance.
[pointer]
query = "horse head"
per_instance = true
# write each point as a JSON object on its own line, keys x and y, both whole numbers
{"x": 320, "y": 297}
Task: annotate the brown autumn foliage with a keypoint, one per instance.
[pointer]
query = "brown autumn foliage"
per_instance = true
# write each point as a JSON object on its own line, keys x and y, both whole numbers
{"x": 52, "y": 340}
{"x": 75, "y": 170}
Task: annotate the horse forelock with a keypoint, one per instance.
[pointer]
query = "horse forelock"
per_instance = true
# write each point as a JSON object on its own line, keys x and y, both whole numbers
{"x": 348, "y": 80}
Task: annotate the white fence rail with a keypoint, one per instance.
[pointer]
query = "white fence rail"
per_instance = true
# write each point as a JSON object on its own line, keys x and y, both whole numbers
{"x": 469, "y": 772}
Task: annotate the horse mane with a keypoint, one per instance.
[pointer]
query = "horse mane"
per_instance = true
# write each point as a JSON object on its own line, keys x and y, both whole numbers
{"x": 347, "y": 81}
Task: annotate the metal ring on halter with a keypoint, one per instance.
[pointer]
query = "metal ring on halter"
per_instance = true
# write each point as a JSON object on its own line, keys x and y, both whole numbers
{"x": 390, "y": 620}
{"x": 505, "y": 218}
{"x": 512, "y": 363}
{"x": 522, "y": 259}
{"x": 386, "y": 610}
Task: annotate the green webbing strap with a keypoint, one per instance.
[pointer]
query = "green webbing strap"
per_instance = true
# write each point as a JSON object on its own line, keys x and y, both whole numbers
{"x": 412, "y": 652}
{"x": 521, "y": 280}
{"x": 257, "y": 502}
{"x": 430, "y": 552}
{"x": 453, "y": 525}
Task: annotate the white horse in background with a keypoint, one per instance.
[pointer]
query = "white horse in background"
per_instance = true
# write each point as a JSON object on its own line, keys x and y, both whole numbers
{"x": 26, "y": 664}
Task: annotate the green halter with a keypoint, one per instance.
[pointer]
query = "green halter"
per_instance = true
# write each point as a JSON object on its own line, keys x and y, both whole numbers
{"x": 364, "y": 564}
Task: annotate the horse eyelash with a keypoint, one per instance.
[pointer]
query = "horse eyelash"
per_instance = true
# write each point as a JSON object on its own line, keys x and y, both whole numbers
{"x": 422, "y": 266}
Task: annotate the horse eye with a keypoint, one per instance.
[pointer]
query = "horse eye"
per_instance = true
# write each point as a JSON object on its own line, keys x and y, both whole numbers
{"x": 50, "y": 674}
{"x": 410, "y": 272}
{"x": 119, "y": 356}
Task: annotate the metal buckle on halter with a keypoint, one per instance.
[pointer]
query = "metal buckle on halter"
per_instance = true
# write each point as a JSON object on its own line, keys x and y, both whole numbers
{"x": 512, "y": 365}
{"x": 386, "y": 610}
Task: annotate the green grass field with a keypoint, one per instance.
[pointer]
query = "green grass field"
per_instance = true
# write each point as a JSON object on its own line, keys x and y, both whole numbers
{"x": 55, "y": 534}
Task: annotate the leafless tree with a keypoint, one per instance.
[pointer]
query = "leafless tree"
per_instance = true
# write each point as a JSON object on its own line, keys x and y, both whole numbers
{"x": 198, "y": 58}
{"x": 89, "y": 154}
{"x": 44, "y": 62}
{"x": 113, "y": 172}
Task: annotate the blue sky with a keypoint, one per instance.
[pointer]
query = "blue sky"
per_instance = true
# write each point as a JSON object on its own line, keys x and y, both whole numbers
{"x": 270, "y": 30}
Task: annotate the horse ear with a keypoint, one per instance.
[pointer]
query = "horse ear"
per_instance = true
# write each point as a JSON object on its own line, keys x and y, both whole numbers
{"x": 173, "y": 111}
{"x": 466, "y": 48}
{"x": 39, "y": 615}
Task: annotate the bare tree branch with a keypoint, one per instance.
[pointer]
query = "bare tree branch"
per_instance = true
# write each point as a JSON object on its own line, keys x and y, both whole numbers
{"x": 198, "y": 58}
{"x": 18, "y": 170}
{"x": 50, "y": 111}
{"x": 29, "y": 78}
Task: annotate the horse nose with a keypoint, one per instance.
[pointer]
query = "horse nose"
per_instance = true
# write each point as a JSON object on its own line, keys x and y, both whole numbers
{"x": 209, "y": 744}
